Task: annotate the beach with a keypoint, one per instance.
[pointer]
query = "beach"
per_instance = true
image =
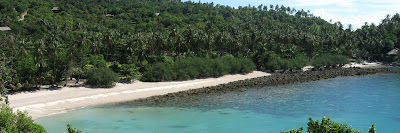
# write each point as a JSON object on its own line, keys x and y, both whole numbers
{"x": 46, "y": 102}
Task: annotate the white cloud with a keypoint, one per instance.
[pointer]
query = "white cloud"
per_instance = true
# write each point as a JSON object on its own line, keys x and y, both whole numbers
{"x": 310, "y": 3}
{"x": 357, "y": 21}
{"x": 355, "y": 12}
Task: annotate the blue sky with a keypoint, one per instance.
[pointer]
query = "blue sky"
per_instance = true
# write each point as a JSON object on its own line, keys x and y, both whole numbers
{"x": 355, "y": 12}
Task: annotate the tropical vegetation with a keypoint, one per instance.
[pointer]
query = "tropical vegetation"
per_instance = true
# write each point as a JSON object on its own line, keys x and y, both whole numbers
{"x": 137, "y": 39}
{"x": 328, "y": 126}
{"x": 18, "y": 122}
{"x": 195, "y": 67}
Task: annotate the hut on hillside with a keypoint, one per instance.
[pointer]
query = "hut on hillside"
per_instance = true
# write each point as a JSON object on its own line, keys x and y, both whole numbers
{"x": 109, "y": 15}
{"x": 5, "y": 28}
{"x": 393, "y": 52}
{"x": 134, "y": 22}
{"x": 157, "y": 14}
{"x": 56, "y": 9}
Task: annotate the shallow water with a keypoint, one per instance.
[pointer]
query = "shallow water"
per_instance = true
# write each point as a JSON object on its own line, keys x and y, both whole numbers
{"x": 357, "y": 101}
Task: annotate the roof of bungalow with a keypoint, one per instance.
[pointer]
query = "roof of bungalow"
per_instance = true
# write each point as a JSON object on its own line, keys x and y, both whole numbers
{"x": 157, "y": 14}
{"x": 393, "y": 52}
{"x": 5, "y": 28}
{"x": 56, "y": 8}
{"x": 109, "y": 15}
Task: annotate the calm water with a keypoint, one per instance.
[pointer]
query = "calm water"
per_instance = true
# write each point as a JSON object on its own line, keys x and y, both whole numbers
{"x": 357, "y": 101}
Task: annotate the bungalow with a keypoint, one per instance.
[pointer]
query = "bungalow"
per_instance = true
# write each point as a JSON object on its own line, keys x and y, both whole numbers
{"x": 109, "y": 15}
{"x": 393, "y": 52}
{"x": 5, "y": 28}
{"x": 157, "y": 14}
{"x": 56, "y": 9}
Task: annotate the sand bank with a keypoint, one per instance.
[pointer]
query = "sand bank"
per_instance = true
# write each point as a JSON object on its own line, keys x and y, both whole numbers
{"x": 47, "y": 102}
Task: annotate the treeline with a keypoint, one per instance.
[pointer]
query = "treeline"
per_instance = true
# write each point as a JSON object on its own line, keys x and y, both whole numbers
{"x": 49, "y": 48}
{"x": 271, "y": 61}
{"x": 195, "y": 67}
{"x": 330, "y": 61}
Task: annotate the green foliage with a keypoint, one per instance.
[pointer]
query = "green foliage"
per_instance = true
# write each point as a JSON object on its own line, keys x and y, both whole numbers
{"x": 194, "y": 67}
{"x": 18, "y": 122}
{"x": 70, "y": 129}
{"x": 129, "y": 70}
{"x": 300, "y": 130}
{"x": 329, "y": 60}
{"x": 126, "y": 70}
{"x": 359, "y": 60}
{"x": 328, "y": 126}
{"x": 26, "y": 70}
{"x": 372, "y": 129}
{"x": 159, "y": 72}
{"x": 271, "y": 61}
{"x": 102, "y": 77}
{"x": 96, "y": 61}
{"x": 5, "y": 78}
{"x": 61, "y": 67}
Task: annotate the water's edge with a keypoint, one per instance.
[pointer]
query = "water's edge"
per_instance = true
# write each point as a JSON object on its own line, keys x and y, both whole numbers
{"x": 357, "y": 101}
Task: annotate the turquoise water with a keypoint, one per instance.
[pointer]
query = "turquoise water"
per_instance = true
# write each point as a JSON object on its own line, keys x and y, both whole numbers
{"x": 357, "y": 101}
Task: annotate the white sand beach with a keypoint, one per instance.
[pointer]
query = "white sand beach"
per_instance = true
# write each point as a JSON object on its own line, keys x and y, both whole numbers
{"x": 47, "y": 102}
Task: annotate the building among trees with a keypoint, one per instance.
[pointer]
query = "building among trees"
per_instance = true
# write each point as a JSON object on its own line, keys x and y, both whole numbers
{"x": 109, "y": 15}
{"x": 5, "y": 28}
{"x": 393, "y": 51}
{"x": 56, "y": 9}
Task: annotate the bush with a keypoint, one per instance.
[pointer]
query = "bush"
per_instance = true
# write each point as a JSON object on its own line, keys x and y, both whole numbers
{"x": 129, "y": 70}
{"x": 11, "y": 122}
{"x": 194, "y": 67}
{"x": 278, "y": 63}
{"x": 70, "y": 129}
{"x": 246, "y": 66}
{"x": 95, "y": 60}
{"x": 126, "y": 70}
{"x": 328, "y": 126}
{"x": 101, "y": 77}
{"x": 329, "y": 60}
{"x": 159, "y": 72}
{"x": 27, "y": 70}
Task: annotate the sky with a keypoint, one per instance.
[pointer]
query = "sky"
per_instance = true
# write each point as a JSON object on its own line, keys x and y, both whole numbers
{"x": 355, "y": 12}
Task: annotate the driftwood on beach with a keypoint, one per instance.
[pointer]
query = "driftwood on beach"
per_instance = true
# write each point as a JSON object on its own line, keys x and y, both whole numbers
{"x": 273, "y": 80}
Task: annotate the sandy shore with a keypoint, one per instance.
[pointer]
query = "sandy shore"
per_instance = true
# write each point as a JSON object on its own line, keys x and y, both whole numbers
{"x": 47, "y": 102}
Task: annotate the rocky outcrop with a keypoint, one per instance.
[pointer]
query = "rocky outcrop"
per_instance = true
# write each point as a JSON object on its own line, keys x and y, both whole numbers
{"x": 287, "y": 77}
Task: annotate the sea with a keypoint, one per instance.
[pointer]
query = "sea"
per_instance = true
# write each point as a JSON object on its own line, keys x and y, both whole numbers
{"x": 358, "y": 101}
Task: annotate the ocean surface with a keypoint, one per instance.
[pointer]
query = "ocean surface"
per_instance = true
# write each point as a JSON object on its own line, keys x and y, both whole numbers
{"x": 357, "y": 101}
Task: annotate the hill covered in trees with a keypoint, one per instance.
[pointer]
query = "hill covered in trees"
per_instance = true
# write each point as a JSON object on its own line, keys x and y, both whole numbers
{"x": 132, "y": 37}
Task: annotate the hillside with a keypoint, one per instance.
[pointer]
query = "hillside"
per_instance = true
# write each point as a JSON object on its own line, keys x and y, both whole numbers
{"x": 130, "y": 36}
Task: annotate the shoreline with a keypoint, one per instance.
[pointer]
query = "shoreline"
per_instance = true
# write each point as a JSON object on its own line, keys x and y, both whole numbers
{"x": 273, "y": 80}
{"x": 47, "y": 102}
